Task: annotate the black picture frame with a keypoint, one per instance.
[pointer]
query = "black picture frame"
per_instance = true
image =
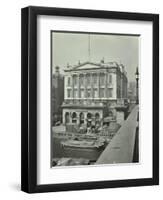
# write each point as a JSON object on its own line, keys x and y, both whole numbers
{"x": 29, "y": 98}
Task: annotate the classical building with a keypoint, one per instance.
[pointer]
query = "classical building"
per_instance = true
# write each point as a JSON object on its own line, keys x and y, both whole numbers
{"x": 93, "y": 91}
{"x": 57, "y": 93}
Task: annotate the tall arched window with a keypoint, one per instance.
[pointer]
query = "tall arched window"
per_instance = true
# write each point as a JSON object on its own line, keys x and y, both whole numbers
{"x": 97, "y": 116}
{"x": 67, "y": 117}
{"x": 89, "y": 119}
{"x": 74, "y": 117}
{"x": 81, "y": 118}
{"x": 89, "y": 116}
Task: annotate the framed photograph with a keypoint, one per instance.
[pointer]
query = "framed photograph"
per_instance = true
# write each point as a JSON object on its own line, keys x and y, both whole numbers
{"x": 90, "y": 99}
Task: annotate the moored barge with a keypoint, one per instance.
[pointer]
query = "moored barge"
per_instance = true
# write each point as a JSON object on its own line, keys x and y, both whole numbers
{"x": 83, "y": 148}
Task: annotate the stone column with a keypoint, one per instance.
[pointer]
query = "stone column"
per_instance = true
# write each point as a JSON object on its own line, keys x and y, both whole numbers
{"x": 86, "y": 85}
{"x": 85, "y": 117}
{"x": 78, "y": 88}
{"x": 71, "y": 116}
{"x": 72, "y": 86}
{"x": 91, "y": 82}
{"x": 106, "y": 85}
{"x": 98, "y": 84}
{"x": 121, "y": 85}
{"x": 77, "y": 118}
{"x": 63, "y": 116}
{"x": 101, "y": 115}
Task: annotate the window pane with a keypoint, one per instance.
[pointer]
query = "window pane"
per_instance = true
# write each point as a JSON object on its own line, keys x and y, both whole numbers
{"x": 102, "y": 93}
{"x": 75, "y": 93}
{"x": 110, "y": 92}
{"x": 68, "y": 93}
{"x": 88, "y": 93}
{"x": 82, "y": 93}
{"x": 110, "y": 78}
{"x": 75, "y": 80}
{"x": 81, "y": 80}
{"x": 95, "y": 79}
{"x": 88, "y": 79}
{"x": 102, "y": 76}
{"x": 68, "y": 81}
{"x": 95, "y": 93}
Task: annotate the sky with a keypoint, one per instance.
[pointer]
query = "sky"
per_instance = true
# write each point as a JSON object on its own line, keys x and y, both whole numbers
{"x": 70, "y": 48}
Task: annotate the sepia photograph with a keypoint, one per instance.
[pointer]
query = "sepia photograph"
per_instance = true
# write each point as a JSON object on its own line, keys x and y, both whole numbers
{"x": 94, "y": 98}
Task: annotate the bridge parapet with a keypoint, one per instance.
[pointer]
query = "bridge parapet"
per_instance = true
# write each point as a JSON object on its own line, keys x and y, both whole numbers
{"x": 121, "y": 149}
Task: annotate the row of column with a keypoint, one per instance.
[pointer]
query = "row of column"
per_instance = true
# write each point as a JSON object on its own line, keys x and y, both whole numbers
{"x": 91, "y": 86}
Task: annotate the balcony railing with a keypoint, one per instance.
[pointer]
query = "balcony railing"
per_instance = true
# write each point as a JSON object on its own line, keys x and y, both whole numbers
{"x": 83, "y": 102}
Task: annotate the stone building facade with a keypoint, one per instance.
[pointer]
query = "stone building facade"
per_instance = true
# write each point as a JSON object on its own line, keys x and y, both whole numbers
{"x": 92, "y": 91}
{"x": 57, "y": 96}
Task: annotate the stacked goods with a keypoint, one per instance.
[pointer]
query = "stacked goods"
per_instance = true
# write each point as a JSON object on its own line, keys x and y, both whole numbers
{"x": 72, "y": 128}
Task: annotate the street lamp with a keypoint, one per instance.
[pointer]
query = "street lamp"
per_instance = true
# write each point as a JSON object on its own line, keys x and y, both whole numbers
{"x": 137, "y": 85}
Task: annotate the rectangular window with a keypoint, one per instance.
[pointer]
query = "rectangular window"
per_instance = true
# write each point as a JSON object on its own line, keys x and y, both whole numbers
{"x": 75, "y": 80}
{"x": 95, "y": 93}
{"x": 110, "y": 79}
{"x": 69, "y": 81}
{"x": 110, "y": 92}
{"x": 75, "y": 93}
{"x": 88, "y": 93}
{"x": 102, "y": 93}
{"x": 95, "y": 79}
{"x": 81, "y": 80}
{"x": 68, "y": 93}
{"x": 102, "y": 79}
{"x": 81, "y": 93}
{"x": 88, "y": 79}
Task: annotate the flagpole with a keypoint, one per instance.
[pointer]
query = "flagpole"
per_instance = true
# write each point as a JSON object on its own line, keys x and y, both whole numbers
{"x": 89, "y": 48}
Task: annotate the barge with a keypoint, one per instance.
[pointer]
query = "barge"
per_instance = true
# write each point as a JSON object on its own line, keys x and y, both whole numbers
{"x": 83, "y": 148}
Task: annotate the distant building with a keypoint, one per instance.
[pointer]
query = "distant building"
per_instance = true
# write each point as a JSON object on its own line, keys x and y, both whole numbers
{"x": 57, "y": 96}
{"x": 93, "y": 91}
{"x": 132, "y": 91}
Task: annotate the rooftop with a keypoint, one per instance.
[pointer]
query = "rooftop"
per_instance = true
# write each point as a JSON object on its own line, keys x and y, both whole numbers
{"x": 92, "y": 65}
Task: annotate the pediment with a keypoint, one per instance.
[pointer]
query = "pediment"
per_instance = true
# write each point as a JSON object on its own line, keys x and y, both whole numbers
{"x": 91, "y": 65}
{"x": 87, "y": 66}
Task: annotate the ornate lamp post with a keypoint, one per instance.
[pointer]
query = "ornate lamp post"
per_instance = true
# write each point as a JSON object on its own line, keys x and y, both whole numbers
{"x": 137, "y": 85}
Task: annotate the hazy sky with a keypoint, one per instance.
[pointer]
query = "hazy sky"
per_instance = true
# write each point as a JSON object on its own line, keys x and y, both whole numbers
{"x": 72, "y": 47}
